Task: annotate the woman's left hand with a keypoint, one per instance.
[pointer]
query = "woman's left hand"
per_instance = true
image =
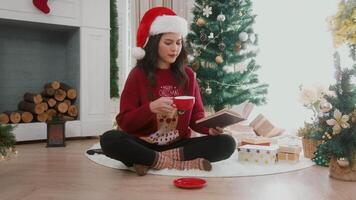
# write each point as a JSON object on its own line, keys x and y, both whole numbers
{"x": 216, "y": 131}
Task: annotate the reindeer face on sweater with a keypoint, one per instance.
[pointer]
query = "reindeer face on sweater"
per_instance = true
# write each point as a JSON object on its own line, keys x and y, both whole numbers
{"x": 166, "y": 129}
{"x": 166, "y": 123}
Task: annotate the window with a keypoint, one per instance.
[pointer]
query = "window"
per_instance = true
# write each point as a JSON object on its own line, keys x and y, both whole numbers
{"x": 295, "y": 48}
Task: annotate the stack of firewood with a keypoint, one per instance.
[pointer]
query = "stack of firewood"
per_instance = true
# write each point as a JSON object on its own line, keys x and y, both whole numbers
{"x": 57, "y": 99}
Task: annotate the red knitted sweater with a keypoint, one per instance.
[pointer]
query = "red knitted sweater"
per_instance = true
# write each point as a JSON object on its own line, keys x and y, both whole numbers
{"x": 135, "y": 116}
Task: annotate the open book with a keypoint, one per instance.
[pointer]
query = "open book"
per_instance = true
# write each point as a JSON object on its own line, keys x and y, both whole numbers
{"x": 227, "y": 117}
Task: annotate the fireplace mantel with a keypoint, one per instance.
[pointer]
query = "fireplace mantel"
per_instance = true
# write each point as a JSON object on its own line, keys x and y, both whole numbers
{"x": 92, "y": 17}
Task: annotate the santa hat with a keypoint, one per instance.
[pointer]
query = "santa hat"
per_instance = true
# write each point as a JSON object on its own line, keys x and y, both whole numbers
{"x": 156, "y": 21}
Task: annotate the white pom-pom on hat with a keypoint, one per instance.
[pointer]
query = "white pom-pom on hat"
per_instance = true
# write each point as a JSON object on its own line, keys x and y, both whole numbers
{"x": 156, "y": 21}
{"x": 138, "y": 53}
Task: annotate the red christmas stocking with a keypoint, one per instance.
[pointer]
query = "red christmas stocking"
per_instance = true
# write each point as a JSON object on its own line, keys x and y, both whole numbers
{"x": 41, "y": 5}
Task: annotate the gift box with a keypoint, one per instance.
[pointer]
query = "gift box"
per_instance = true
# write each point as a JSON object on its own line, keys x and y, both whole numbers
{"x": 296, "y": 149}
{"x": 263, "y": 127}
{"x": 256, "y": 141}
{"x": 290, "y": 157}
{"x": 263, "y": 155}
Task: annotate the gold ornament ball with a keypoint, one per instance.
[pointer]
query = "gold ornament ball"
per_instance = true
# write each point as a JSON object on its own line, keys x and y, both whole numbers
{"x": 343, "y": 162}
{"x": 325, "y": 107}
{"x": 201, "y": 22}
{"x": 237, "y": 46}
{"x": 219, "y": 59}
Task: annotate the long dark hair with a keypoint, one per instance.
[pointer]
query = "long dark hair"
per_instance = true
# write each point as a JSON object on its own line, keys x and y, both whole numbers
{"x": 149, "y": 63}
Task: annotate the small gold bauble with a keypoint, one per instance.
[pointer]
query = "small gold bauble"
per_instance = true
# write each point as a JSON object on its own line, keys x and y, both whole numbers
{"x": 237, "y": 46}
{"x": 219, "y": 59}
{"x": 201, "y": 22}
{"x": 343, "y": 162}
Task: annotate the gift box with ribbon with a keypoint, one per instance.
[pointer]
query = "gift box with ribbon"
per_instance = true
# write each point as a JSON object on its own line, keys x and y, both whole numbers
{"x": 263, "y": 155}
{"x": 289, "y": 157}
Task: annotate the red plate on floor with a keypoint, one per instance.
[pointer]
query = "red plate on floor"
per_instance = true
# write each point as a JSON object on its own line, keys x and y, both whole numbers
{"x": 189, "y": 183}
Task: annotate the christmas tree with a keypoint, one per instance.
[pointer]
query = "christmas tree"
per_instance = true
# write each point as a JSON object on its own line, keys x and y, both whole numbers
{"x": 7, "y": 140}
{"x": 338, "y": 121}
{"x": 223, "y": 47}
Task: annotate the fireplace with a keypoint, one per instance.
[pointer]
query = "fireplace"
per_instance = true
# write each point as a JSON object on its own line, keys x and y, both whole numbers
{"x": 71, "y": 45}
{"x": 32, "y": 55}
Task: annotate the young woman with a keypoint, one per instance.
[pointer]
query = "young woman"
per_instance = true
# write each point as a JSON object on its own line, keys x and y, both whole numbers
{"x": 152, "y": 133}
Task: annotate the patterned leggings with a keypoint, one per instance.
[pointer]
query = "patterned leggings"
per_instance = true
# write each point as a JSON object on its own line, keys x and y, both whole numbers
{"x": 132, "y": 150}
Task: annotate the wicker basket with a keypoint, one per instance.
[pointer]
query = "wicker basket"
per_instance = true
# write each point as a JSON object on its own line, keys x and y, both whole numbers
{"x": 342, "y": 173}
{"x": 309, "y": 147}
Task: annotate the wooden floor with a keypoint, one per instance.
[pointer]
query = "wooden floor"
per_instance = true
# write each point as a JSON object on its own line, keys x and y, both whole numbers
{"x": 65, "y": 173}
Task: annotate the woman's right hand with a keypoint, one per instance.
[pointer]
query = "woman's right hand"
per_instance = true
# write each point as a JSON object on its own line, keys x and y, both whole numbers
{"x": 162, "y": 105}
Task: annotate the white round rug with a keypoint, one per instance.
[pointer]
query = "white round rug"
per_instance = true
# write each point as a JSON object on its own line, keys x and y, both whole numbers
{"x": 227, "y": 168}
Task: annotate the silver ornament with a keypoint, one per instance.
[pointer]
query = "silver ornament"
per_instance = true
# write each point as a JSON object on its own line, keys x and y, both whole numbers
{"x": 325, "y": 107}
{"x": 221, "y": 18}
{"x": 343, "y": 162}
{"x": 208, "y": 90}
{"x": 243, "y": 36}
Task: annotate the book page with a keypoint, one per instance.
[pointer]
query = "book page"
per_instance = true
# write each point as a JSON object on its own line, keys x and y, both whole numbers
{"x": 227, "y": 117}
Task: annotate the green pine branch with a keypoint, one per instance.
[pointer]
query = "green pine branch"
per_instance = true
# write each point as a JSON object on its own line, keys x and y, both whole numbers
{"x": 7, "y": 139}
{"x": 114, "y": 87}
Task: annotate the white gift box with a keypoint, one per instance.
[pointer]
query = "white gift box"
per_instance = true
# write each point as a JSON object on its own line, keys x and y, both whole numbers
{"x": 263, "y": 155}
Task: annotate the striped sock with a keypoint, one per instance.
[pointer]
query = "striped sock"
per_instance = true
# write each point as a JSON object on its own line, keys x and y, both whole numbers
{"x": 162, "y": 162}
{"x": 175, "y": 154}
